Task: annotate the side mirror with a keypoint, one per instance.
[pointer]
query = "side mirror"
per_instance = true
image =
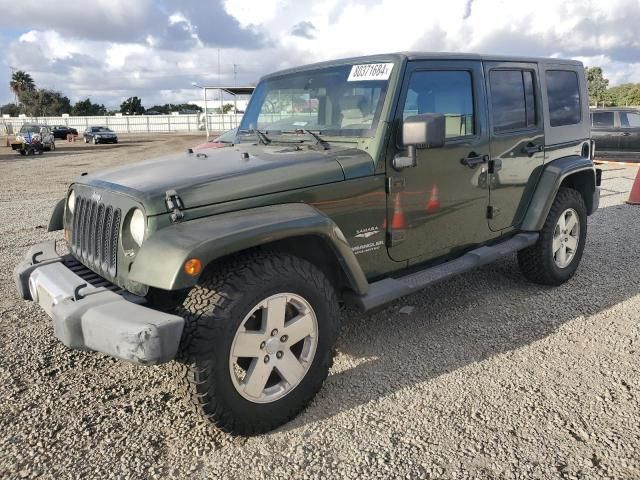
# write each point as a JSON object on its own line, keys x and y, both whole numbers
{"x": 420, "y": 131}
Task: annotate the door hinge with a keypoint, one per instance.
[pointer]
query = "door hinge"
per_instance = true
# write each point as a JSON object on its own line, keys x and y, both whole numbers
{"x": 394, "y": 237}
{"x": 492, "y": 212}
{"x": 395, "y": 184}
{"x": 175, "y": 205}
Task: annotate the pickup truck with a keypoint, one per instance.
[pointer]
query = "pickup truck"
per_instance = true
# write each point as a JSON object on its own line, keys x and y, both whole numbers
{"x": 616, "y": 132}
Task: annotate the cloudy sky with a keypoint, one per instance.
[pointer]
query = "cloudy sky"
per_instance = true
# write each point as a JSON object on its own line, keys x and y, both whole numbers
{"x": 112, "y": 49}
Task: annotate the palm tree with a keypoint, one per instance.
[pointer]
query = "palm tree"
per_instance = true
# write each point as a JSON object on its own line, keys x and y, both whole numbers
{"x": 21, "y": 82}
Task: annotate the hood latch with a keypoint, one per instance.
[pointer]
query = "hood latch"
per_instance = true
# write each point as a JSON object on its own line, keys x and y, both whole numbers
{"x": 174, "y": 203}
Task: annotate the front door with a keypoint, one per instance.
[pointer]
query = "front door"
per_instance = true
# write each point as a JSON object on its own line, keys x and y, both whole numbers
{"x": 440, "y": 204}
{"x": 630, "y": 131}
{"x": 517, "y": 138}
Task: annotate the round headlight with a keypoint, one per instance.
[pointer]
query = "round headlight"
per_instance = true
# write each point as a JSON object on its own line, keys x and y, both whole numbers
{"x": 71, "y": 201}
{"x": 136, "y": 226}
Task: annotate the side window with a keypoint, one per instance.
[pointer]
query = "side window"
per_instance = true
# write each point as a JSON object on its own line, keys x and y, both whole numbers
{"x": 446, "y": 92}
{"x": 602, "y": 119}
{"x": 630, "y": 119}
{"x": 564, "y": 97}
{"x": 513, "y": 102}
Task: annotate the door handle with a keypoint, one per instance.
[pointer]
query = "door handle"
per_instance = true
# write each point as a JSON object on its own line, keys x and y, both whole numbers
{"x": 625, "y": 134}
{"x": 531, "y": 149}
{"x": 472, "y": 160}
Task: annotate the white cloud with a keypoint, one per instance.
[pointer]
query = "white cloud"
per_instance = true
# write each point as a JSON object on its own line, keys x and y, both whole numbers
{"x": 156, "y": 49}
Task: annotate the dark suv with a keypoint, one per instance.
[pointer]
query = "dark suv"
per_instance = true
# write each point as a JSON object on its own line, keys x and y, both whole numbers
{"x": 616, "y": 131}
{"x": 352, "y": 181}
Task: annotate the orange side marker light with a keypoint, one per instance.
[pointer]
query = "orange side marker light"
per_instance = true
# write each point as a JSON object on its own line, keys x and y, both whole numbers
{"x": 192, "y": 267}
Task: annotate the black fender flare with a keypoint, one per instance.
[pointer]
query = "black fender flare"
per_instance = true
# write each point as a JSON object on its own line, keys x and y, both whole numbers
{"x": 551, "y": 179}
{"x": 56, "y": 221}
{"x": 160, "y": 261}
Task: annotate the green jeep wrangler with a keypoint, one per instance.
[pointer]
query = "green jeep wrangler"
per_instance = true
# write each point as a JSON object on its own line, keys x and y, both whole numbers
{"x": 354, "y": 181}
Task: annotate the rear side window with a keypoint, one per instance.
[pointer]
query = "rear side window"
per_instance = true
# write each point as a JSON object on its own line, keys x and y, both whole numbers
{"x": 513, "y": 103}
{"x": 602, "y": 119}
{"x": 564, "y": 97}
{"x": 446, "y": 92}
{"x": 629, "y": 120}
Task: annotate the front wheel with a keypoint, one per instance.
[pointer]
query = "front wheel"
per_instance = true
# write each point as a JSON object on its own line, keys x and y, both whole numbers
{"x": 258, "y": 341}
{"x": 555, "y": 257}
{"x": 95, "y": 141}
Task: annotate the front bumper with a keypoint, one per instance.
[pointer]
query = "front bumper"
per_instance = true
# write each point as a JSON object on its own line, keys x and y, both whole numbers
{"x": 88, "y": 317}
{"x": 107, "y": 140}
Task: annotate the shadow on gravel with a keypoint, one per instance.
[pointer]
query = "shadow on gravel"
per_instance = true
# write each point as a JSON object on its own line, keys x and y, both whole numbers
{"x": 487, "y": 312}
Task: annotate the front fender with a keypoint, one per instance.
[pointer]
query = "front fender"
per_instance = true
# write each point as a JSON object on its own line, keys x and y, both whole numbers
{"x": 56, "y": 221}
{"x": 159, "y": 262}
{"x": 551, "y": 179}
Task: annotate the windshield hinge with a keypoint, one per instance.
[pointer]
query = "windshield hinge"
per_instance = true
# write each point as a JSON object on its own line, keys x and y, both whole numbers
{"x": 175, "y": 205}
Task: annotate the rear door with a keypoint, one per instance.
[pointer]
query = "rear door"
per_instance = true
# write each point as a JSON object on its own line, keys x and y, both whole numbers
{"x": 604, "y": 132}
{"x": 517, "y": 137}
{"x": 630, "y": 131}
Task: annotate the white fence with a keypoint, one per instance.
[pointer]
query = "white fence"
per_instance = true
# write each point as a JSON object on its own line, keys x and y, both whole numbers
{"x": 131, "y": 123}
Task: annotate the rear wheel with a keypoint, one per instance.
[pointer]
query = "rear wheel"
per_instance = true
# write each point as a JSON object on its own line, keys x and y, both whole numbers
{"x": 258, "y": 341}
{"x": 555, "y": 257}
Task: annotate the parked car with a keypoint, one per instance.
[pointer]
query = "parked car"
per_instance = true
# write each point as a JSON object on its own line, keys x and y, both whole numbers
{"x": 32, "y": 139}
{"x": 235, "y": 265}
{"x": 97, "y": 135}
{"x": 224, "y": 140}
{"x": 616, "y": 131}
{"x": 61, "y": 131}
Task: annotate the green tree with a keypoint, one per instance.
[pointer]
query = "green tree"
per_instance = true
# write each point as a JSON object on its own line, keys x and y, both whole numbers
{"x": 167, "y": 108}
{"x": 597, "y": 85}
{"x": 10, "y": 109}
{"x": 21, "y": 82}
{"x": 86, "y": 108}
{"x": 623, "y": 95}
{"x": 227, "y": 107}
{"x": 43, "y": 102}
{"x": 132, "y": 106}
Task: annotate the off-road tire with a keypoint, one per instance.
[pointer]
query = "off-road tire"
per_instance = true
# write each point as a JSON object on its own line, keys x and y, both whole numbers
{"x": 215, "y": 308}
{"x": 536, "y": 262}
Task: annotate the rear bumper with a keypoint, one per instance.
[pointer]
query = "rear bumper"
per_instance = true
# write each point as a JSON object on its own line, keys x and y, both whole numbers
{"x": 94, "y": 318}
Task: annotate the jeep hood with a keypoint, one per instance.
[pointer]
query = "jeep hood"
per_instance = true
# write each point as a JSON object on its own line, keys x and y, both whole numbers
{"x": 234, "y": 173}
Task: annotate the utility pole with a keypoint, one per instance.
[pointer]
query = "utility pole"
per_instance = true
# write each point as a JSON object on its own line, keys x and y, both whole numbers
{"x": 235, "y": 73}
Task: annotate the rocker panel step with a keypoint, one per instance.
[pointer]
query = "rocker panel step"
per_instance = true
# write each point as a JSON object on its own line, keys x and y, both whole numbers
{"x": 389, "y": 289}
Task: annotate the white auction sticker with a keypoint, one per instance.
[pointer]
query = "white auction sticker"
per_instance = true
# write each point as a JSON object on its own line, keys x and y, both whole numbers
{"x": 370, "y": 71}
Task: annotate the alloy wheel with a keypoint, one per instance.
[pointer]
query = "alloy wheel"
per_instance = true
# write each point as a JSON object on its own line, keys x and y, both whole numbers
{"x": 273, "y": 348}
{"x": 566, "y": 237}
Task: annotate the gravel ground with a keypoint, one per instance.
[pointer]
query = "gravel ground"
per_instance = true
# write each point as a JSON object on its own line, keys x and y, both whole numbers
{"x": 488, "y": 376}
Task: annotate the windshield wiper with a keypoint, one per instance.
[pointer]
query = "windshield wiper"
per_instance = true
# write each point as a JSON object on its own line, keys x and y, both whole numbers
{"x": 317, "y": 137}
{"x": 262, "y": 137}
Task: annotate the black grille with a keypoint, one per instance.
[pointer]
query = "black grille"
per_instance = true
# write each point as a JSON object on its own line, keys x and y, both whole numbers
{"x": 94, "y": 236}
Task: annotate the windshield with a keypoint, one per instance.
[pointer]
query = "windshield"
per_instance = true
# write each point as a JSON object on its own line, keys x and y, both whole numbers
{"x": 343, "y": 100}
{"x": 30, "y": 129}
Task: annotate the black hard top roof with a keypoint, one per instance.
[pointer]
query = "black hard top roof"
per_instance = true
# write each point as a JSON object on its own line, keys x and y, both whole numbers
{"x": 416, "y": 56}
